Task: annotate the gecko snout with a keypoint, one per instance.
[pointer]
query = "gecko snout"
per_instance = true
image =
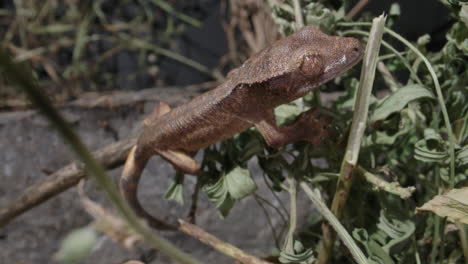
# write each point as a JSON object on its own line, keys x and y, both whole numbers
{"x": 355, "y": 49}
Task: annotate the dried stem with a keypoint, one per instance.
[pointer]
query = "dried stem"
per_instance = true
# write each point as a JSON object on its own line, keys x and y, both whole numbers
{"x": 298, "y": 14}
{"x": 356, "y": 9}
{"x": 221, "y": 246}
{"x": 361, "y": 108}
{"x": 390, "y": 187}
{"x": 110, "y": 156}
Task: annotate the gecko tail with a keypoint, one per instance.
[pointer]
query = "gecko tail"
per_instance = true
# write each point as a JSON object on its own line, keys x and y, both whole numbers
{"x": 129, "y": 180}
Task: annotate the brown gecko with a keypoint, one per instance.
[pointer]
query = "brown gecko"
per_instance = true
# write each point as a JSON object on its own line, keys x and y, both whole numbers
{"x": 281, "y": 73}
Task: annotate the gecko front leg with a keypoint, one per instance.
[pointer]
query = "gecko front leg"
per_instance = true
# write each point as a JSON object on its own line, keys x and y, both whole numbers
{"x": 312, "y": 126}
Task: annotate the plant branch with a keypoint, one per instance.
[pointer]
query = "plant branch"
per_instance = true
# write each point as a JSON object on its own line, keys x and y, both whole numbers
{"x": 298, "y": 14}
{"x": 440, "y": 96}
{"x": 223, "y": 247}
{"x": 110, "y": 156}
{"x": 357, "y": 9}
{"x": 361, "y": 108}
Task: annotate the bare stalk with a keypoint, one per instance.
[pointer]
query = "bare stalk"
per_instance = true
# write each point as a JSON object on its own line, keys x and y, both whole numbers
{"x": 361, "y": 108}
{"x": 223, "y": 247}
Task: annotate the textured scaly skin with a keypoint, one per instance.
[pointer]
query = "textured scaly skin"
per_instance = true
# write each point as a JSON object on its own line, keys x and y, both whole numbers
{"x": 281, "y": 73}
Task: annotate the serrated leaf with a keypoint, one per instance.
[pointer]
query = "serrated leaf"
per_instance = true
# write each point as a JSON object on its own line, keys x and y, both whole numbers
{"x": 230, "y": 187}
{"x": 462, "y": 156}
{"x": 252, "y": 148}
{"x": 239, "y": 183}
{"x": 432, "y": 148}
{"x": 300, "y": 255}
{"x": 398, "y": 100}
{"x": 377, "y": 255}
{"x": 398, "y": 230}
{"x": 218, "y": 194}
{"x": 453, "y": 205}
{"x": 76, "y": 246}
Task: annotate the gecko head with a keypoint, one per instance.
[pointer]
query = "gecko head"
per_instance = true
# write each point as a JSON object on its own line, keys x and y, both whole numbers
{"x": 323, "y": 57}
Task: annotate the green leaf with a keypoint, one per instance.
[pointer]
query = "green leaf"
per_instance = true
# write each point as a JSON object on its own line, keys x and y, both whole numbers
{"x": 460, "y": 129}
{"x": 462, "y": 156}
{"x": 390, "y": 239}
{"x": 76, "y": 246}
{"x": 377, "y": 255}
{"x": 230, "y": 187}
{"x": 239, "y": 183}
{"x": 300, "y": 255}
{"x": 286, "y": 112}
{"x": 398, "y": 100}
{"x": 432, "y": 148}
{"x": 175, "y": 191}
{"x": 464, "y": 14}
{"x": 218, "y": 194}
{"x": 453, "y": 205}
{"x": 398, "y": 230}
{"x": 395, "y": 10}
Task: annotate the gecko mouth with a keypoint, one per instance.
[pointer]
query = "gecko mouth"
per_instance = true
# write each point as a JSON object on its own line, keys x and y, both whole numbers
{"x": 335, "y": 71}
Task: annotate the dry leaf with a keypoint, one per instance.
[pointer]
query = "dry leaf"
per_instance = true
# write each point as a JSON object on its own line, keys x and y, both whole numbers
{"x": 453, "y": 205}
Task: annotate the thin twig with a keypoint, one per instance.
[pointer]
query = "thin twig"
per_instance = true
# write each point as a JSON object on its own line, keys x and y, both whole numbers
{"x": 339, "y": 228}
{"x": 391, "y": 82}
{"x": 110, "y": 156}
{"x": 115, "y": 99}
{"x": 356, "y": 9}
{"x": 223, "y": 247}
{"x": 390, "y": 187}
{"x": 268, "y": 218}
{"x": 193, "y": 207}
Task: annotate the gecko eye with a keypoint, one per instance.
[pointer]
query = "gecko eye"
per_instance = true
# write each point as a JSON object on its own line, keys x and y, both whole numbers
{"x": 312, "y": 65}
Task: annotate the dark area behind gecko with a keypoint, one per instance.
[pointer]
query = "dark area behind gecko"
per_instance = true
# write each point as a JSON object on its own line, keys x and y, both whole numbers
{"x": 128, "y": 70}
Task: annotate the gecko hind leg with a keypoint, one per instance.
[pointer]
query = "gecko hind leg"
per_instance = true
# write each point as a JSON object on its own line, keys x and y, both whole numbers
{"x": 136, "y": 162}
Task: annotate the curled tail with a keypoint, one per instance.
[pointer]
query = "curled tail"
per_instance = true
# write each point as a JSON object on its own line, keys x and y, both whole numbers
{"x": 129, "y": 185}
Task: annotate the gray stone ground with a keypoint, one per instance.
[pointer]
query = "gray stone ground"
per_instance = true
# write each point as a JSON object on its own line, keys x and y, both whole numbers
{"x": 30, "y": 148}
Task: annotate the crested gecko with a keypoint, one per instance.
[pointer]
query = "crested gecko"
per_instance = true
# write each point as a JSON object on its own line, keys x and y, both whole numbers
{"x": 281, "y": 73}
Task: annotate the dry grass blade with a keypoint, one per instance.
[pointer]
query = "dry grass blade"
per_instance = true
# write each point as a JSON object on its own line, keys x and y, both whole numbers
{"x": 109, "y": 223}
